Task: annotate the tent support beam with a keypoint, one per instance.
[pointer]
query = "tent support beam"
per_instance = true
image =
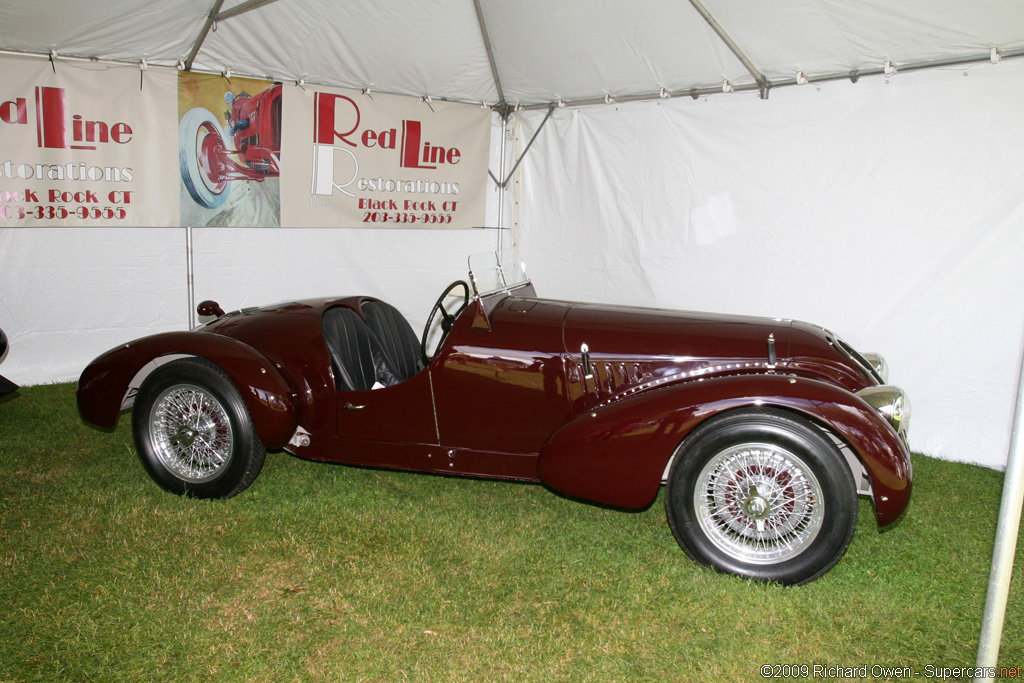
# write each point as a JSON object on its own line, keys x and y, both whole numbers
{"x": 762, "y": 83}
{"x": 503, "y": 184}
{"x": 242, "y": 8}
{"x": 210, "y": 19}
{"x": 824, "y": 78}
{"x": 502, "y": 105}
{"x": 216, "y": 15}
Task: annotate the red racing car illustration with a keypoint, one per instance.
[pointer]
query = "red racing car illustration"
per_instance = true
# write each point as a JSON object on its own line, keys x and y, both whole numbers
{"x": 247, "y": 148}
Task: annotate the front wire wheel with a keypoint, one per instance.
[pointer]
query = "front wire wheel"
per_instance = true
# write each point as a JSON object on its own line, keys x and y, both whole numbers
{"x": 193, "y": 432}
{"x": 764, "y": 495}
{"x": 758, "y": 503}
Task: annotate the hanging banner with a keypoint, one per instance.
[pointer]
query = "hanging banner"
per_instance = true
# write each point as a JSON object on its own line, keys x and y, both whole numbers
{"x": 371, "y": 160}
{"x": 229, "y": 150}
{"x": 86, "y": 144}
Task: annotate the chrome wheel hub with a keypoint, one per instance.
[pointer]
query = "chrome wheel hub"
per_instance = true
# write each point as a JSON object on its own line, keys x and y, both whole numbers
{"x": 191, "y": 433}
{"x": 758, "y": 503}
{"x": 755, "y": 506}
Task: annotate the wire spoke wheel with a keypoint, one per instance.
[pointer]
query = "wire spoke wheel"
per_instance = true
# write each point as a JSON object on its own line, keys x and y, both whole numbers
{"x": 763, "y": 494}
{"x": 758, "y": 503}
{"x": 191, "y": 433}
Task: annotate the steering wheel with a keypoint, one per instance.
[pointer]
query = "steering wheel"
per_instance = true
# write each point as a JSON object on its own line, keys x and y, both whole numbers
{"x": 447, "y": 319}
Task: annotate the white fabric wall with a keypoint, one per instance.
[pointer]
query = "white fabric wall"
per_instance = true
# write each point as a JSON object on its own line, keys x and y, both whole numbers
{"x": 890, "y": 211}
{"x": 69, "y": 294}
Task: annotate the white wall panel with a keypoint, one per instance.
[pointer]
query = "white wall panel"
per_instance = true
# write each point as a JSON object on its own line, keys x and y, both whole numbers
{"x": 889, "y": 211}
{"x": 68, "y": 294}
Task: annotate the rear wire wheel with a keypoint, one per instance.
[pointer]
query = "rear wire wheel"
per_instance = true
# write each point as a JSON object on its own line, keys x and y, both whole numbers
{"x": 193, "y": 432}
{"x": 762, "y": 494}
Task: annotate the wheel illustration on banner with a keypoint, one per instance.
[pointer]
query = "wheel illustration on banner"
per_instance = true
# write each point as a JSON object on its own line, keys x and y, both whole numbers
{"x": 201, "y": 146}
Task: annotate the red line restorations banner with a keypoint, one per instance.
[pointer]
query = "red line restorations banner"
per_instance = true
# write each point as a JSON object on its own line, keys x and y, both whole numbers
{"x": 354, "y": 159}
{"x": 83, "y": 145}
{"x": 86, "y": 144}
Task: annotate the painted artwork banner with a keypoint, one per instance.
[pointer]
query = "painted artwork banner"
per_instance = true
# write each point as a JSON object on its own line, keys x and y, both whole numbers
{"x": 229, "y": 151}
{"x": 370, "y": 160}
{"x": 86, "y": 144}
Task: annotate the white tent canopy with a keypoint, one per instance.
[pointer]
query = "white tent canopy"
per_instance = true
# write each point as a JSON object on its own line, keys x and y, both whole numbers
{"x": 543, "y": 51}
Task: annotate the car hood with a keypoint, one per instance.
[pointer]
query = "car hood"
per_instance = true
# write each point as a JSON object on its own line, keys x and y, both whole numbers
{"x": 621, "y": 330}
{"x": 691, "y": 344}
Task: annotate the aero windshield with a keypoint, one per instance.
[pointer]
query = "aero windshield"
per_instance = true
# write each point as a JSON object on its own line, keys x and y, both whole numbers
{"x": 496, "y": 271}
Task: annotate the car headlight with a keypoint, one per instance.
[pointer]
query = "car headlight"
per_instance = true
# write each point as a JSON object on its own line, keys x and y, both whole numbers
{"x": 892, "y": 403}
{"x": 878, "y": 363}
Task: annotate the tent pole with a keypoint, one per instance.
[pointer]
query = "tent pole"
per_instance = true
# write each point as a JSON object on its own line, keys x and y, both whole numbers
{"x": 190, "y": 277}
{"x": 759, "y": 77}
{"x": 210, "y": 18}
{"x": 501, "y": 188}
{"x": 1007, "y": 529}
{"x": 503, "y": 110}
{"x": 504, "y": 183}
{"x": 502, "y": 104}
{"x": 216, "y": 15}
{"x": 823, "y": 78}
{"x": 241, "y": 8}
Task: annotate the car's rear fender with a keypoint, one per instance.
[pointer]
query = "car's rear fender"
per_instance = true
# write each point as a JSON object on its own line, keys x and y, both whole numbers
{"x": 270, "y": 398}
{"x": 616, "y": 454}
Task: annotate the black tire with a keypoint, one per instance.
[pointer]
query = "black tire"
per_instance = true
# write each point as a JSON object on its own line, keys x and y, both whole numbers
{"x": 193, "y": 432}
{"x": 762, "y": 494}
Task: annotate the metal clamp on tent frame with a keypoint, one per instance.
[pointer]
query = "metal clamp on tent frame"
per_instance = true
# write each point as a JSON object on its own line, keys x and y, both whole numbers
{"x": 215, "y": 16}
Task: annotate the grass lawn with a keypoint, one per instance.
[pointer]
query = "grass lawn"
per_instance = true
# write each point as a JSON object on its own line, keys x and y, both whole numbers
{"x": 337, "y": 574}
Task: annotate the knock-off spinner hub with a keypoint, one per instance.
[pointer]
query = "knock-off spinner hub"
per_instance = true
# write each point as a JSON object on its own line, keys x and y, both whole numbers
{"x": 755, "y": 506}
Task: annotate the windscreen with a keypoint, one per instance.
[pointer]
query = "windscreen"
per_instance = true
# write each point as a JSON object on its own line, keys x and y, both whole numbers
{"x": 495, "y": 271}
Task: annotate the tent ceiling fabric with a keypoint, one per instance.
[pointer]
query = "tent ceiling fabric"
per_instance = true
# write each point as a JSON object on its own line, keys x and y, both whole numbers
{"x": 573, "y": 50}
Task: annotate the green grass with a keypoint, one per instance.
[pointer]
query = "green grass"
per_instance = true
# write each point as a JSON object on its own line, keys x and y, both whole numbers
{"x": 329, "y": 573}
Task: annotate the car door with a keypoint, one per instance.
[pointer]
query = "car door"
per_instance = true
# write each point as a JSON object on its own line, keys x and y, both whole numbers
{"x": 402, "y": 413}
{"x": 502, "y": 390}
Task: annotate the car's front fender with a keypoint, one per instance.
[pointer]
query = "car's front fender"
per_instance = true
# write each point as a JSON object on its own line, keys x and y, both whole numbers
{"x": 271, "y": 400}
{"x": 616, "y": 454}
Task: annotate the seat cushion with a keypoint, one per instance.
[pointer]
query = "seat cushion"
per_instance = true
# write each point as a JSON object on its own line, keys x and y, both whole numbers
{"x": 400, "y": 344}
{"x": 357, "y": 358}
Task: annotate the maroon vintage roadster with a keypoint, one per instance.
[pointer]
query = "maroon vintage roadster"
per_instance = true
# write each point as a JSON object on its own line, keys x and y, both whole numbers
{"x": 763, "y": 431}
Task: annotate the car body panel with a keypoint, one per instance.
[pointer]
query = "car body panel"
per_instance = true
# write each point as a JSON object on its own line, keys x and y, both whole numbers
{"x": 616, "y": 453}
{"x": 502, "y": 390}
{"x": 400, "y": 413}
{"x": 270, "y": 398}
